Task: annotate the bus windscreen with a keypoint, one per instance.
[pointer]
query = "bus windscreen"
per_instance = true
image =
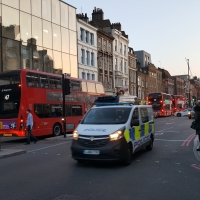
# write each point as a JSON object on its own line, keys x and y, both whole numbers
{"x": 9, "y": 101}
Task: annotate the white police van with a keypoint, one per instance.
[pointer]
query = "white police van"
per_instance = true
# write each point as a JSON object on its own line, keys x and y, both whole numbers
{"x": 113, "y": 131}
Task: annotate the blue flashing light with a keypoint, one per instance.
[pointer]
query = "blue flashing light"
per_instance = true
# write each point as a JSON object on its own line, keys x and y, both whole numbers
{"x": 113, "y": 104}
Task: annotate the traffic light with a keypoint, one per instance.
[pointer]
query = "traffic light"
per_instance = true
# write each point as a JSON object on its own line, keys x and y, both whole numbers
{"x": 67, "y": 86}
{"x": 194, "y": 98}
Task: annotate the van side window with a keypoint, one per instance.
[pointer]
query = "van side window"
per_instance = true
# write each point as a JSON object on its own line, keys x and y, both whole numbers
{"x": 150, "y": 114}
{"x": 135, "y": 114}
{"x": 144, "y": 115}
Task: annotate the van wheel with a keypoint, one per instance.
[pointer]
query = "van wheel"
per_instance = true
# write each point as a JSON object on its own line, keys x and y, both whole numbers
{"x": 128, "y": 156}
{"x": 57, "y": 129}
{"x": 178, "y": 114}
{"x": 149, "y": 147}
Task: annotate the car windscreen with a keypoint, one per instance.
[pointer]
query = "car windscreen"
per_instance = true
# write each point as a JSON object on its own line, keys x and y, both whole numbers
{"x": 105, "y": 115}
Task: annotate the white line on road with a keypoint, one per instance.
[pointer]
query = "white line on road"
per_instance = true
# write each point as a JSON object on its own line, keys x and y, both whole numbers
{"x": 182, "y": 124}
{"x": 171, "y": 140}
{"x": 48, "y": 147}
{"x": 170, "y": 131}
{"x": 165, "y": 129}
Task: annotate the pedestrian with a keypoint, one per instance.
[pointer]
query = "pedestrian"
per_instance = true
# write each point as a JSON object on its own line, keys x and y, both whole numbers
{"x": 29, "y": 126}
{"x": 197, "y": 120}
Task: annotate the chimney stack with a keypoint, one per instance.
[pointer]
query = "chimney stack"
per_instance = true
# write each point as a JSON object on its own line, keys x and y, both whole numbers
{"x": 83, "y": 17}
{"x": 116, "y": 26}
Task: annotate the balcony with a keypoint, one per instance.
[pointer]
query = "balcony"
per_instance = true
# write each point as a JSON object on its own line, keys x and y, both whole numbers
{"x": 108, "y": 87}
{"x": 118, "y": 82}
{"x": 118, "y": 73}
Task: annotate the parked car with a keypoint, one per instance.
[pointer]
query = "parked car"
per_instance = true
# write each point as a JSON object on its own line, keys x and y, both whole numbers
{"x": 191, "y": 113}
{"x": 182, "y": 113}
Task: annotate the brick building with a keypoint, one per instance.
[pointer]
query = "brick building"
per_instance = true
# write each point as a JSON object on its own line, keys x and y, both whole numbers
{"x": 152, "y": 78}
{"x": 168, "y": 82}
{"x": 159, "y": 85}
{"x": 142, "y": 83}
{"x": 132, "y": 72}
{"x": 105, "y": 60}
{"x": 120, "y": 48}
{"x": 179, "y": 86}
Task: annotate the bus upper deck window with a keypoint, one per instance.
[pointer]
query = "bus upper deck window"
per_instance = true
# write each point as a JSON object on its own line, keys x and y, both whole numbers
{"x": 32, "y": 80}
{"x": 44, "y": 83}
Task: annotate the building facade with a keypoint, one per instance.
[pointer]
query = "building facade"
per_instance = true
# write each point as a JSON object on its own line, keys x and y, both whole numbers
{"x": 142, "y": 83}
{"x": 105, "y": 61}
{"x": 152, "y": 78}
{"x": 120, "y": 59}
{"x": 87, "y": 49}
{"x": 132, "y": 72}
{"x": 168, "y": 82}
{"x": 120, "y": 49}
{"x": 179, "y": 86}
{"x": 143, "y": 57}
{"x": 159, "y": 85}
{"x": 39, "y": 35}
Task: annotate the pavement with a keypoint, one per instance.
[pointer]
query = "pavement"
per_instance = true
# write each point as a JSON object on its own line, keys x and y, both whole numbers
{"x": 4, "y": 153}
{"x": 47, "y": 172}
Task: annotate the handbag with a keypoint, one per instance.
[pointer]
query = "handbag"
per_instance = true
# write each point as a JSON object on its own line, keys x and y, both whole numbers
{"x": 194, "y": 125}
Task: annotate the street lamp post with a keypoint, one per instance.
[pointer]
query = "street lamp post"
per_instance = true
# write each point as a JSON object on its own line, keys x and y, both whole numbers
{"x": 64, "y": 110}
{"x": 189, "y": 103}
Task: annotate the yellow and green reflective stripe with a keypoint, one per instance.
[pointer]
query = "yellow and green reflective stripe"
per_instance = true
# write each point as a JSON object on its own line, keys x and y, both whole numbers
{"x": 127, "y": 135}
{"x": 137, "y": 132}
{"x": 146, "y": 128}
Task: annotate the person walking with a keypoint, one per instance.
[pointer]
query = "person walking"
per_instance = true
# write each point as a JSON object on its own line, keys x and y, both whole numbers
{"x": 197, "y": 120}
{"x": 29, "y": 126}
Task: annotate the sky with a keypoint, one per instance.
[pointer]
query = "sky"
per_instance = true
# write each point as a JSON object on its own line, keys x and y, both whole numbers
{"x": 167, "y": 29}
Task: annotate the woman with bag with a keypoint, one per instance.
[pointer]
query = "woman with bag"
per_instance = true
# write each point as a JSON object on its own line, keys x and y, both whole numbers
{"x": 197, "y": 120}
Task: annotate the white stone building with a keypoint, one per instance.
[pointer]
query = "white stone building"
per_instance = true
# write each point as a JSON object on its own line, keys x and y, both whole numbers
{"x": 120, "y": 59}
{"x": 87, "y": 49}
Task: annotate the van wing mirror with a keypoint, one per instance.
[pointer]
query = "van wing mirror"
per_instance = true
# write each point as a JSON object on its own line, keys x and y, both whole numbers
{"x": 135, "y": 122}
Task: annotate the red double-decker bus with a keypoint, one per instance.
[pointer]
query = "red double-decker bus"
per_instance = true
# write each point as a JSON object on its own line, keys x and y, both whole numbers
{"x": 179, "y": 102}
{"x": 161, "y": 103}
{"x": 42, "y": 94}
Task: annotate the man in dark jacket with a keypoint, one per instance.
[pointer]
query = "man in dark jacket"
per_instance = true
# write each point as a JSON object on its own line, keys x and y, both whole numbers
{"x": 197, "y": 119}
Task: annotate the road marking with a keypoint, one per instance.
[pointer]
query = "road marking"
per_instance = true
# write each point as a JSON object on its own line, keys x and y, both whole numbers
{"x": 170, "y": 140}
{"x": 159, "y": 133}
{"x": 165, "y": 129}
{"x": 186, "y": 140}
{"x": 170, "y": 123}
{"x": 182, "y": 124}
{"x": 169, "y": 131}
{"x": 48, "y": 147}
{"x": 188, "y": 143}
{"x": 195, "y": 167}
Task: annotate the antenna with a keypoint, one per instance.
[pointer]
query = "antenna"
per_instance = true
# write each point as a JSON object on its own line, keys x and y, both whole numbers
{"x": 81, "y": 9}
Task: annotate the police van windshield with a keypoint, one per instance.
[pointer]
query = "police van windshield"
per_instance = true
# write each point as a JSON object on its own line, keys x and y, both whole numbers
{"x": 105, "y": 115}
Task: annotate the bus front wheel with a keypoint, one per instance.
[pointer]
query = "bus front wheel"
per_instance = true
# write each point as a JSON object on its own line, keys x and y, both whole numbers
{"x": 57, "y": 129}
